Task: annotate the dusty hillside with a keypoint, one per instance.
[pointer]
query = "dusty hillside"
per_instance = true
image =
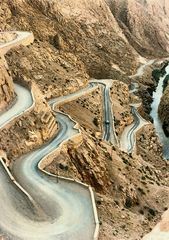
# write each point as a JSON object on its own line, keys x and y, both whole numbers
{"x": 124, "y": 185}
{"x": 121, "y": 99}
{"x": 89, "y": 31}
{"x": 73, "y": 43}
{"x": 144, "y": 23}
{"x": 100, "y": 36}
{"x": 55, "y": 74}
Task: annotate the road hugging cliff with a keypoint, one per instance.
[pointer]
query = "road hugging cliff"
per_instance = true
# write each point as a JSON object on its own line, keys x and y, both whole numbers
{"x": 75, "y": 43}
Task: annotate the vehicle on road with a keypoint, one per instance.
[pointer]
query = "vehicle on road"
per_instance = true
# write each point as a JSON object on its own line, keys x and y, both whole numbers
{"x": 107, "y": 122}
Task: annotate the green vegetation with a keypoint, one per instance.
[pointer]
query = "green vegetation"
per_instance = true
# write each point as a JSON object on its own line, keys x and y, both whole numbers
{"x": 163, "y": 71}
{"x": 165, "y": 82}
{"x": 157, "y": 73}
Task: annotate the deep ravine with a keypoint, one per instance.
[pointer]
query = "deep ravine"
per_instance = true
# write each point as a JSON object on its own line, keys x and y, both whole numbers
{"x": 157, "y": 94}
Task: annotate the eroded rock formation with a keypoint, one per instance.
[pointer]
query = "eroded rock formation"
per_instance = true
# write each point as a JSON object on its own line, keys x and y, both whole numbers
{"x": 6, "y": 86}
{"x": 164, "y": 111}
{"x": 73, "y": 43}
{"x": 144, "y": 29}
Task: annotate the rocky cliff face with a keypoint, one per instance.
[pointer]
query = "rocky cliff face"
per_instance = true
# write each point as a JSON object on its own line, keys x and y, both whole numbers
{"x": 75, "y": 42}
{"x": 163, "y": 111}
{"x": 30, "y": 130}
{"x": 101, "y": 35}
{"x": 122, "y": 112}
{"x": 6, "y": 87}
{"x": 144, "y": 23}
{"x": 88, "y": 32}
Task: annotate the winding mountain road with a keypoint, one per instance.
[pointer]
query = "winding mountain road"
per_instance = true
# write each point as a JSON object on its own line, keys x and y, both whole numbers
{"x": 141, "y": 69}
{"x": 108, "y": 119}
{"x": 21, "y": 38}
{"x": 48, "y": 208}
{"x": 66, "y": 206}
{"x": 108, "y": 124}
{"x": 128, "y": 137}
{"x": 19, "y": 107}
{"x": 37, "y": 205}
{"x": 56, "y": 102}
{"x": 161, "y": 230}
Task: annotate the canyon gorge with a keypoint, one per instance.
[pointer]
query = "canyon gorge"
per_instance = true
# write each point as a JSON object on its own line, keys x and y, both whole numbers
{"x": 84, "y": 121}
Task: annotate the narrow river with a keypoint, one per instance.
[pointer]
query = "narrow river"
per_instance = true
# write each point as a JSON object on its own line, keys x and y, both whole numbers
{"x": 154, "y": 114}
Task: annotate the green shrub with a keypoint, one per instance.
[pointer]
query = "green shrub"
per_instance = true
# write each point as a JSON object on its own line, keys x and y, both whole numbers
{"x": 165, "y": 82}
{"x": 156, "y": 74}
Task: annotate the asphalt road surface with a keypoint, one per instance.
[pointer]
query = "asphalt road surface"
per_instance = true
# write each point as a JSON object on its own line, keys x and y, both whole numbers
{"x": 59, "y": 208}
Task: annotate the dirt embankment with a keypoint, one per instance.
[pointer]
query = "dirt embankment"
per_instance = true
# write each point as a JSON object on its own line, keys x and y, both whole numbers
{"x": 56, "y": 75}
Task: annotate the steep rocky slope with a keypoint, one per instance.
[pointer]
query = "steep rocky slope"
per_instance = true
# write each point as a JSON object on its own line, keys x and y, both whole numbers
{"x": 30, "y": 130}
{"x": 88, "y": 31}
{"x": 55, "y": 74}
{"x": 6, "y": 87}
{"x": 124, "y": 185}
{"x": 144, "y": 23}
{"x": 121, "y": 99}
{"x": 73, "y": 43}
{"x": 164, "y": 110}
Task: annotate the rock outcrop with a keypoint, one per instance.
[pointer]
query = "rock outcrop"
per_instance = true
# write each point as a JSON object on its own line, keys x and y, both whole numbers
{"x": 30, "y": 130}
{"x": 87, "y": 32}
{"x": 75, "y": 42}
{"x": 36, "y": 125}
{"x": 163, "y": 111}
{"x": 6, "y": 87}
{"x": 120, "y": 103}
{"x": 141, "y": 24}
